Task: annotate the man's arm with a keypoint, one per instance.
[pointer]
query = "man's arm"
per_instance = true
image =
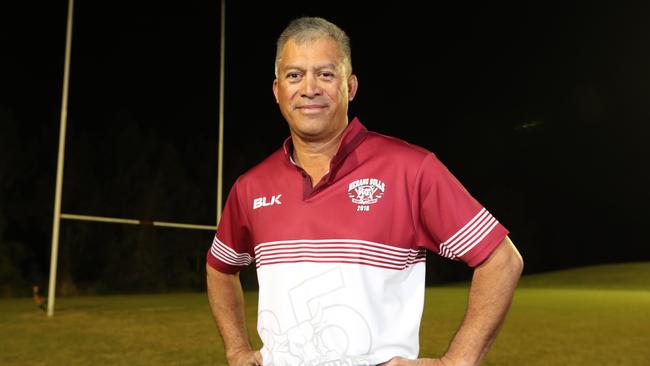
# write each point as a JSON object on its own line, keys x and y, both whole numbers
{"x": 227, "y": 304}
{"x": 490, "y": 296}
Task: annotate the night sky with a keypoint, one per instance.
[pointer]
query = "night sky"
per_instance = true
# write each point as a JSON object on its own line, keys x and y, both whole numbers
{"x": 540, "y": 110}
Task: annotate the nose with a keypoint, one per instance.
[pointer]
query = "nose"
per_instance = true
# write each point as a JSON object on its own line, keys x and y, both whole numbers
{"x": 310, "y": 87}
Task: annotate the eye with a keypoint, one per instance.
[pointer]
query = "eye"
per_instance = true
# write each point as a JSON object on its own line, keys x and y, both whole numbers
{"x": 327, "y": 75}
{"x": 293, "y": 76}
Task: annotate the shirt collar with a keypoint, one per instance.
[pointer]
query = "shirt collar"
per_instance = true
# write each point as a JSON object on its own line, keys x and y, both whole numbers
{"x": 354, "y": 133}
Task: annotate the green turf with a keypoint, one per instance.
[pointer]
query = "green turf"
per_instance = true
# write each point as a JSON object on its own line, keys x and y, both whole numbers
{"x": 628, "y": 276}
{"x": 590, "y": 316}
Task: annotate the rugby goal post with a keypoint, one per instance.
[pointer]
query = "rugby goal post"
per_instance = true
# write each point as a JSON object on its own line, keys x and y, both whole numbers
{"x": 58, "y": 215}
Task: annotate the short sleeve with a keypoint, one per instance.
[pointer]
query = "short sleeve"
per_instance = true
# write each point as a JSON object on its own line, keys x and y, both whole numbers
{"x": 450, "y": 221}
{"x": 231, "y": 248}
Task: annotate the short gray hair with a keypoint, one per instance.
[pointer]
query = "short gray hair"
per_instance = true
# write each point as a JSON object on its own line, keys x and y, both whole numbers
{"x": 305, "y": 29}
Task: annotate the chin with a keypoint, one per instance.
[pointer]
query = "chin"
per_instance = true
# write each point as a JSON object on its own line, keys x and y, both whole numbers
{"x": 310, "y": 122}
{"x": 310, "y": 132}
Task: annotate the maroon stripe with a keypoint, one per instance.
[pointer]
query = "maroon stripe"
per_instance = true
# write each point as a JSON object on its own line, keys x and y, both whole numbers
{"x": 223, "y": 252}
{"x": 233, "y": 262}
{"x": 328, "y": 257}
{"x": 336, "y": 261}
{"x": 369, "y": 247}
{"x": 351, "y": 252}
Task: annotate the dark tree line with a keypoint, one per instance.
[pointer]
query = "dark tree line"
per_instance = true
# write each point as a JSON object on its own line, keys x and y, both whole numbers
{"x": 134, "y": 174}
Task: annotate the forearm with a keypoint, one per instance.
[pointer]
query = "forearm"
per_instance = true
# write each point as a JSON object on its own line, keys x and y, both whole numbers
{"x": 227, "y": 304}
{"x": 490, "y": 296}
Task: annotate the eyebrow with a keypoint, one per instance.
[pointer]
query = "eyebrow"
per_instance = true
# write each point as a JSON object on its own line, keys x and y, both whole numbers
{"x": 317, "y": 68}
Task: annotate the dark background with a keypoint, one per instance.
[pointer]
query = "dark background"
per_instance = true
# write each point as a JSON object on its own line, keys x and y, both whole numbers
{"x": 540, "y": 110}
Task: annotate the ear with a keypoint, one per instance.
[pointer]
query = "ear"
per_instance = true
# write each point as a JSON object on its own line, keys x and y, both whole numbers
{"x": 275, "y": 91}
{"x": 353, "y": 85}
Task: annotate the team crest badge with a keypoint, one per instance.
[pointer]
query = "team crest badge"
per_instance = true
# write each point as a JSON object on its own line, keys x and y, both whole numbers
{"x": 365, "y": 192}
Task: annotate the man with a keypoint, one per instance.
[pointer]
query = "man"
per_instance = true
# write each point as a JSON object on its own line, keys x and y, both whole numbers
{"x": 338, "y": 221}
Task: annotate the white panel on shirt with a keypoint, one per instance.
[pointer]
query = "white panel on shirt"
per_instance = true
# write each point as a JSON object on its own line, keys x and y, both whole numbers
{"x": 339, "y": 313}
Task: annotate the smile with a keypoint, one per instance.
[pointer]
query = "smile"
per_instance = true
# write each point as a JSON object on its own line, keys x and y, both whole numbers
{"x": 311, "y": 108}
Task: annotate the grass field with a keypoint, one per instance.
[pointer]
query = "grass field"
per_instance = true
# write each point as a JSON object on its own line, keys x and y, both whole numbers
{"x": 589, "y": 316}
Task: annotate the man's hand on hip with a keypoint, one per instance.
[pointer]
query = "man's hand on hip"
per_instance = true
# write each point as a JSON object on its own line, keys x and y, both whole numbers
{"x": 246, "y": 358}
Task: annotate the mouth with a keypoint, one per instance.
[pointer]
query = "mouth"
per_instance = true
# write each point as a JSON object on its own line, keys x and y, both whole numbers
{"x": 311, "y": 108}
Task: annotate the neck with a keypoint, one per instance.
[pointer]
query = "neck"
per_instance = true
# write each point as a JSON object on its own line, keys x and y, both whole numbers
{"x": 315, "y": 156}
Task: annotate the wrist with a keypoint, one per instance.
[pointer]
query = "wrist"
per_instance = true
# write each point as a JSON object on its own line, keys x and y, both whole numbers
{"x": 236, "y": 352}
{"x": 448, "y": 360}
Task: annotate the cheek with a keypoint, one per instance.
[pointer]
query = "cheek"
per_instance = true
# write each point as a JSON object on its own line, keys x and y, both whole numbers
{"x": 286, "y": 94}
{"x": 340, "y": 91}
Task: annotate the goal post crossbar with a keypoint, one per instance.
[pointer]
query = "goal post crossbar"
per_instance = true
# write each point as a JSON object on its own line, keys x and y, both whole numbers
{"x": 117, "y": 220}
{"x": 58, "y": 191}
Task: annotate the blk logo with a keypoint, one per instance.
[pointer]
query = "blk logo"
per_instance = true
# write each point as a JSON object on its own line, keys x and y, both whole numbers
{"x": 262, "y": 201}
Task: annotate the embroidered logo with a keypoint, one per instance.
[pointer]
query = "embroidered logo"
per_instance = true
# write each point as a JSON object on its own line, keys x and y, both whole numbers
{"x": 365, "y": 192}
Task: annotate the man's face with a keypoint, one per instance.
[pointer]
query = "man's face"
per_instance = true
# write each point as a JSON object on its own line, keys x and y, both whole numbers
{"x": 313, "y": 89}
